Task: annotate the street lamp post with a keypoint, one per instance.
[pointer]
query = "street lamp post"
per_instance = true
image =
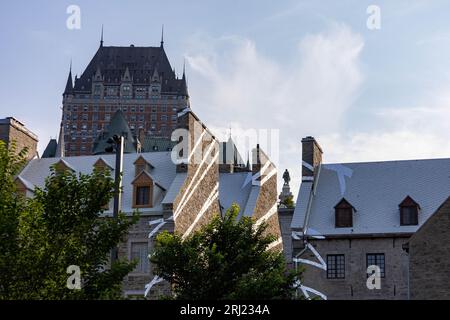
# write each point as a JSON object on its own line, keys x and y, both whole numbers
{"x": 116, "y": 145}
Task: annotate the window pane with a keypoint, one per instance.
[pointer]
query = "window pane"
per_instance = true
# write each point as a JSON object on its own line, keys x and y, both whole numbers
{"x": 139, "y": 251}
{"x": 376, "y": 259}
{"x": 336, "y": 266}
{"x": 142, "y": 195}
{"x": 409, "y": 215}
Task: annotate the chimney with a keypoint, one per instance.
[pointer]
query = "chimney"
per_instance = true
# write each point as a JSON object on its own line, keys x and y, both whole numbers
{"x": 256, "y": 163}
{"x": 141, "y": 135}
{"x": 311, "y": 156}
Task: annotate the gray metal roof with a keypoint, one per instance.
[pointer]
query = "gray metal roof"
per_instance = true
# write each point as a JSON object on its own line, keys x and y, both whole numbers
{"x": 163, "y": 173}
{"x": 234, "y": 189}
{"x": 375, "y": 189}
{"x": 112, "y": 61}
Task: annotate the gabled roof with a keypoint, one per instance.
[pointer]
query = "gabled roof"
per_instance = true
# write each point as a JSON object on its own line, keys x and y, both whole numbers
{"x": 102, "y": 162}
{"x": 148, "y": 175}
{"x": 163, "y": 174}
{"x": 28, "y": 185}
{"x": 375, "y": 189}
{"x": 408, "y": 201}
{"x": 344, "y": 204}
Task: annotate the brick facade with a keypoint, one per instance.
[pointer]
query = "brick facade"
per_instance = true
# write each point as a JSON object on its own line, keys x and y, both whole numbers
{"x": 137, "y": 80}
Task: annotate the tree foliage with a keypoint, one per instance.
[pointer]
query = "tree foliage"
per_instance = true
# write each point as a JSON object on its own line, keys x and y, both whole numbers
{"x": 225, "y": 259}
{"x": 61, "y": 225}
{"x": 289, "y": 202}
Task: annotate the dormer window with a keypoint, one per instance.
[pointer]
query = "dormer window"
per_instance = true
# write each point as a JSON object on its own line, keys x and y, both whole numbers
{"x": 143, "y": 191}
{"x": 409, "y": 212}
{"x": 126, "y": 90}
{"x": 142, "y": 195}
{"x": 62, "y": 166}
{"x": 141, "y": 165}
{"x": 344, "y": 214}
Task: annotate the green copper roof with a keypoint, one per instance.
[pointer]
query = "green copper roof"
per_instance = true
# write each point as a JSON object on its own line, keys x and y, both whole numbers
{"x": 155, "y": 144}
{"x": 117, "y": 126}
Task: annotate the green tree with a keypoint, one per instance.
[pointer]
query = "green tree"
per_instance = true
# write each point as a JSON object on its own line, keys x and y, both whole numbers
{"x": 61, "y": 225}
{"x": 11, "y": 162}
{"x": 225, "y": 259}
{"x": 289, "y": 202}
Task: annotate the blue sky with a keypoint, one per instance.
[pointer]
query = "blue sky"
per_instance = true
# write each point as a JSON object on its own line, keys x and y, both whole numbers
{"x": 303, "y": 67}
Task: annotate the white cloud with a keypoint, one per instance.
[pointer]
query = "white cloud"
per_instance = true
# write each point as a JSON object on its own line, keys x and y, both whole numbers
{"x": 417, "y": 132}
{"x": 233, "y": 84}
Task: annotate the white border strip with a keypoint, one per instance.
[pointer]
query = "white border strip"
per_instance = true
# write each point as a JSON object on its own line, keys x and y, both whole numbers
{"x": 191, "y": 192}
{"x": 275, "y": 243}
{"x": 306, "y": 289}
{"x": 154, "y": 281}
{"x": 199, "y": 140}
{"x": 307, "y": 166}
{"x": 268, "y": 176}
{"x": 321, "y": 265}
{"x": 211, "y": 198}
{"x": 156, "y": 229}
{"x": 266, "y": 217}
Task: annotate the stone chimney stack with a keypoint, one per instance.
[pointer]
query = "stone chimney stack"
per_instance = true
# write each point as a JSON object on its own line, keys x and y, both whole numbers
{"x": 311, "y": 156}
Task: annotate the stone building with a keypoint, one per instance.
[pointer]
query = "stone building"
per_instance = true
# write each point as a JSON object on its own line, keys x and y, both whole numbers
{"x": 175, "y": 190}
{"x": 13, "y": 130}
{"x": 429, "y": 257}
{"x": 139, "y": 81}
{"x": 350, "y": 216}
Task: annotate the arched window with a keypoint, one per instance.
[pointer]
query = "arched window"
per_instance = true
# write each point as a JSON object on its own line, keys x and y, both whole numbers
{"x": 344, "y": 214}
{"x": 409, "y": 212}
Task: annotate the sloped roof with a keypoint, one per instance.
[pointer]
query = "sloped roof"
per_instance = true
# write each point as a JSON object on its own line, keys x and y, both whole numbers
{"x": 155, "y": 144}
{"x": 117, "y": 126}
{"x": 50, "y": 149}
{"x": 112, "y": 61}
{"x": 375, "y": 189}
{"x": 230, "y": 154}
{"x": 234, "y": 189}
{"x": 163, "y": 173}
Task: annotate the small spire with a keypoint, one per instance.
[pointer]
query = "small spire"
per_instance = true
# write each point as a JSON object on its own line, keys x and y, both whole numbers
{"x": 184, "y": 68}
{"x": 162, "y": 36}
{"x": 101, "y": 38}
{"x": 69, "y": 83}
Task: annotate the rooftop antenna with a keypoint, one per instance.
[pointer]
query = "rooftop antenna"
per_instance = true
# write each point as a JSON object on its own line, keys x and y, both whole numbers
{"x": 162, "y": 36}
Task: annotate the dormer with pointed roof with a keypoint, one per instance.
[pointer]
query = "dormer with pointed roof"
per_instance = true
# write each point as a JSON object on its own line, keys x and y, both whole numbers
{"x": 69, "y": 84}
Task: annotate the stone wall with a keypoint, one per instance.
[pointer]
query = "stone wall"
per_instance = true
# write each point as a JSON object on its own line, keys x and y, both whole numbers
{"x": 191, "y": 207}
{"x": 13, "y": 130}
{"x": 429, "y": 252}
{"x": 393, "y": 285}
{"x": 285, "y": 219}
